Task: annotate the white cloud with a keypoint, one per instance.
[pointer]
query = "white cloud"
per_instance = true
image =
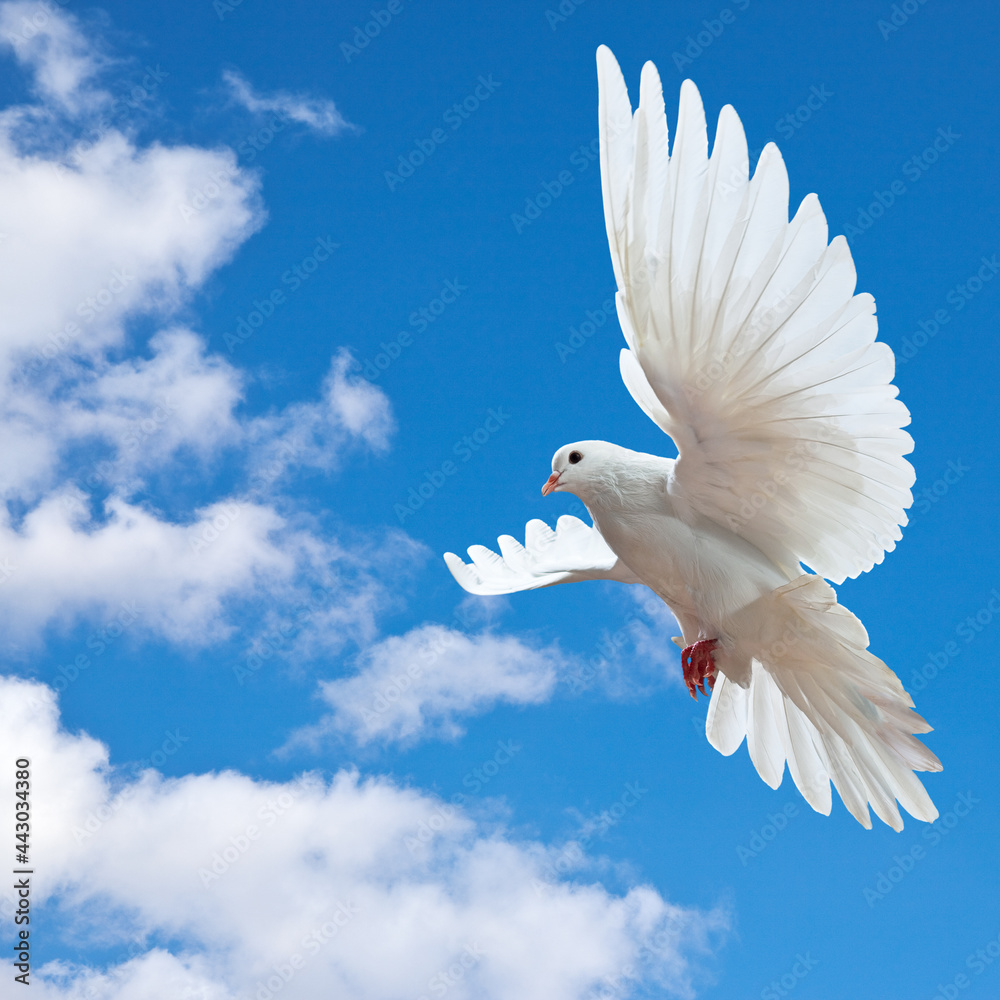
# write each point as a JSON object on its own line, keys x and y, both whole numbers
{"x": 179, "y": 396}
{"x": 96, "y": 234}
{"x": 139, "y": 412}
{"x": 63, "y": 565}
{"x": 354, "y": 888}
{"x": 634, "y": 655}
{"x": 125, "y": 231}
{"x": 318, "y": 114}
{"x": 362, "y": 408}
{"x": 142, "y": 412}
{"x": 64, "y": 559}
{"x": 316, "y": 434}
{"x": 418, "y": 685}
{"x": 48, "y": 42}
{"x": 136, "y": 413}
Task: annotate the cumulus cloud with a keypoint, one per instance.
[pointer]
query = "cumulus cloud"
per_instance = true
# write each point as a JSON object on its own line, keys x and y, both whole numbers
{"x": 141, "y": 412}
{"x": 316, "y": 434}
{"x": 419, "y": 684}
{"x": 319, "y": 114}
{"x": 137, "y": 413}
{"x": 47, "y": 42}
{"x": 362, "y": 408}
{"x": 634, "y": 655}
{"x": 62, "y": 565}
{"x": 83, "y": 547}
{"x": 98, "y": 233}
{"x": 219, "y": 885}
{"x": 120, "y": 232}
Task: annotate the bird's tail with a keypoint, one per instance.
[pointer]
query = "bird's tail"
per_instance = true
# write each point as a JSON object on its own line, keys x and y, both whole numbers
{"x": 817, "y": 698}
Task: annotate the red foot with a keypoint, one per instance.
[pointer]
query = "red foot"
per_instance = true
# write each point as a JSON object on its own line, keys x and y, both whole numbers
{"x": 699, "y": 666}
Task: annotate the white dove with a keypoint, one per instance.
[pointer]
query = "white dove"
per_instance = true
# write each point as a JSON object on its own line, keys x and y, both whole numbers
{"x": 748, "y": 346}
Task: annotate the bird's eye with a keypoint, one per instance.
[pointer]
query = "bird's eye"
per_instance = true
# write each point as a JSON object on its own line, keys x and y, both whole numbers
{"x": 574, "y": 457}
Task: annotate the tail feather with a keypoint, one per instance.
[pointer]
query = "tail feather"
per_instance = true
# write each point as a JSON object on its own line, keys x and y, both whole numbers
{"x": 726, "y": 724}
{"x": 765, "y": 740}
{"x": 816, "y": 698}
{"x": 807, "y": 762}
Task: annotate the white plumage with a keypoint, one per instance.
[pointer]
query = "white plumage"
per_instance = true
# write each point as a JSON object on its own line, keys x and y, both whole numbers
{"x": 748, "y": 346}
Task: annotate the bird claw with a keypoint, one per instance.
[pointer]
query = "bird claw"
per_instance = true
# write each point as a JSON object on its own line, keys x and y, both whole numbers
{"x": 699, "y": 666}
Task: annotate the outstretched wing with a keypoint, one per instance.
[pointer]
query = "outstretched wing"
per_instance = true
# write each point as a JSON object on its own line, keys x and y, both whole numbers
{"x": 747, "y": 344}
{"x": 574, "y": 551}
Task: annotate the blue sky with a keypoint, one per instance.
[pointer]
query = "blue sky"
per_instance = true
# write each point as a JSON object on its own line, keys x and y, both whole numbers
{"x": 237, "y": 335}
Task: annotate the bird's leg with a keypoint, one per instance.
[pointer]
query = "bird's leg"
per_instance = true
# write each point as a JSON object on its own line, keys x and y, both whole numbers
{"x": 699, "y": 666}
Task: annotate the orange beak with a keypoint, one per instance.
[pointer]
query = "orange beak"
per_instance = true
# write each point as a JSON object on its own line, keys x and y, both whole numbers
{"x": 550, "y": 483}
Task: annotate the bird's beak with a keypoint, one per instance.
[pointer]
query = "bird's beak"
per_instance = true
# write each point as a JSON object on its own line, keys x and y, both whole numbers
{"x": 551, "y": 483}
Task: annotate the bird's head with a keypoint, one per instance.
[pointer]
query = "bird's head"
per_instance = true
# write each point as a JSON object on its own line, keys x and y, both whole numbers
{"x": 582, "y": 467}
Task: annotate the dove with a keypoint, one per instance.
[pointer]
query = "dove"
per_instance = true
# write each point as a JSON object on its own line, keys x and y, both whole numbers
{"x": 747, "y": 345}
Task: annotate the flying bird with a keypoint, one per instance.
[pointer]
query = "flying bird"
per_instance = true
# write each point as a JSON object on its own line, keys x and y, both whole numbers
{"x": 748, "y": 346}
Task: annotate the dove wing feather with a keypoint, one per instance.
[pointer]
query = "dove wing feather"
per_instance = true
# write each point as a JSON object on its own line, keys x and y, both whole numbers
{"x": 574, "y": 551}
{"x": 746, "y": 342}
